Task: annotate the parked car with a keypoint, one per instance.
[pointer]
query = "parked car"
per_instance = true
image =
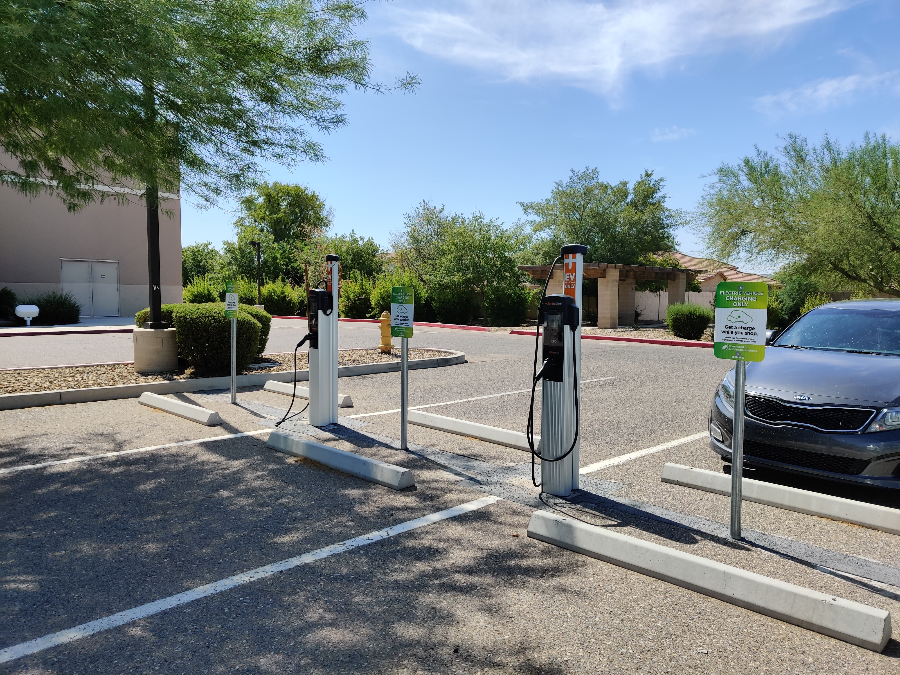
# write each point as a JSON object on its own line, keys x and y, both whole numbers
{"x": 825, "y": 401}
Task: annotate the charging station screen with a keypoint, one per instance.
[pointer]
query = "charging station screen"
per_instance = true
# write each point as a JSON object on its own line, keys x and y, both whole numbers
{"x": 553, "y": 329}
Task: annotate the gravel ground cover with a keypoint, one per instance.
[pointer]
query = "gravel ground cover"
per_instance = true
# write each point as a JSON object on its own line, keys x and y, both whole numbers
{"x": 622, "y": 331}
{"x": 79, "y": 377}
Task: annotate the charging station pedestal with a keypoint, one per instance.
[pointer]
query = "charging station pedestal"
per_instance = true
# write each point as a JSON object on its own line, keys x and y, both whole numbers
{"x": 561, "y": 387}
{"x": 322, "y": 311}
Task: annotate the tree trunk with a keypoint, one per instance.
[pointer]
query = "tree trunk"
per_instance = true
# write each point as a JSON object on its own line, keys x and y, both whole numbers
{"x": 152, "y": 200}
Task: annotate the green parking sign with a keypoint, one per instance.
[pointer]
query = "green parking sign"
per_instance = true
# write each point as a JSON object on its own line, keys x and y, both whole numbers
{"x": 741, "y": 320}
{"x": 402, "y": 306}
{"x": 231, "y": 300}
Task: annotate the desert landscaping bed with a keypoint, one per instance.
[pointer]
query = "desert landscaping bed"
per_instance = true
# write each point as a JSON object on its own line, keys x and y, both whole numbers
{"x": 79, "y": 377}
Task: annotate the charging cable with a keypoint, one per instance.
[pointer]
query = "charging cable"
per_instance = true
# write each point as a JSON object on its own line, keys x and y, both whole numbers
{"x": 294, "y": 394}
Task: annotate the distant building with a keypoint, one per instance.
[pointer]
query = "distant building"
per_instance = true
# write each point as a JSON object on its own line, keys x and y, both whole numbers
{"x": 99, "y": 253}
{"x": 714, "y": 271}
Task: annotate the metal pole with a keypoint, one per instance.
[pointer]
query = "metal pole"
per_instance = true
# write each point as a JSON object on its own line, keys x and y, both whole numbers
{"x": 404, "y": 391}
{"x": 234, "y": 360}
{"x": 737, "y": 448}
{"x": 258, "y": 277}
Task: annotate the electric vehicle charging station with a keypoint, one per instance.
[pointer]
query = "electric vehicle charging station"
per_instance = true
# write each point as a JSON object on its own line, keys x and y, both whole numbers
{"x": 559, "y": 322}
{"x": 322, "y": 315}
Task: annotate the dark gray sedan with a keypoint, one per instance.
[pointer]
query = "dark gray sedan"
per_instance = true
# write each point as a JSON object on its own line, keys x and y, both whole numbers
{"x": 825, "y": 402}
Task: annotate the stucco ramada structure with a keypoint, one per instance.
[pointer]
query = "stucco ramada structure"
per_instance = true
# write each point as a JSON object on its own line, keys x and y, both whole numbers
{"x": 615, "y": 286}
{"x": 99, "y": 253}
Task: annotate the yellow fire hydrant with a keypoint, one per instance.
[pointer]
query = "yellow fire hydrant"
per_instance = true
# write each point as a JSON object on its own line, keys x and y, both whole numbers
{"x": 386, "y": 345}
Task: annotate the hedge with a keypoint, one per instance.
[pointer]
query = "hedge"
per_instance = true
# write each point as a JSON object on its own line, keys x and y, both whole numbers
{"x": 355, "y": 300}
{"x": 203, "y": 334}
{"x": 281, "y": 299}
{"x": 201, "y": 290}
{"x": 55, "y": 308}
{"x": 687, "y": 320}
{"x": 7, "y": 303}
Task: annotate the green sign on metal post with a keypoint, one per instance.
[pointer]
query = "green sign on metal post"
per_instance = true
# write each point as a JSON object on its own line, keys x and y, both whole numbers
{"x": 231, "y": 300}
{"x": 402, "y": 306}
{"x": 741, "y": 320}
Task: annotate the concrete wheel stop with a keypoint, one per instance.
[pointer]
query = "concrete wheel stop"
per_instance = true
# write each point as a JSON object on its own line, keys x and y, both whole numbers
{"x": 187, "y": 410}
{"x": 372, "y": 470}
{"x": 483, "y": 432}
{"x": 845, "y": 620}
{"x": 287, "y": 388}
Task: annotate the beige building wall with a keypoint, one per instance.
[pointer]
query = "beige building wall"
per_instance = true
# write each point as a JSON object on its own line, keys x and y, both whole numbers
{"x": 37, "y": 232}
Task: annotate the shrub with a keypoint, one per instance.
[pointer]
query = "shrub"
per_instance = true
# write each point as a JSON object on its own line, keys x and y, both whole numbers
{"x": 280, "y": 298}
{"x": 381, "y": 294}
{"x": 814, "y": 300}
{"x": 7, "y": 303}
{"x": 793, "y": 294}
{"x": 508, "y": 306}
{"x": 687, "y": 320}
{"x": 166, "y": 311}
{"x": 202, "y": 290}
{"x": 589, "y": 317}
{"x": 452, "y": 302}
{"x": 203, "y": 334}
{"x": 55, "y": 308}
{"x": 775, "y": 317}
{"x": 356, "y": 296}
{"x": 264, "y": 319}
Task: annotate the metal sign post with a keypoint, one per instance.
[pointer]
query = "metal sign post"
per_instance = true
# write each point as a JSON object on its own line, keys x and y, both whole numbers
{"x": 740, "y": 336}
{"x": 402, "y": 307}
{"x": 231, "y": 312}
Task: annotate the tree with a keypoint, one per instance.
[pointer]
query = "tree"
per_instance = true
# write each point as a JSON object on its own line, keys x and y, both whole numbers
{"x": 457, "y": 257}
{"x": 160, "y": 94}
{"x": 827, "y": 213}
{"x": 359, "y": 255}
{"x": 199, "y": 260}
{"x": 284, "y": 219}
{"x": 617, "y": 223}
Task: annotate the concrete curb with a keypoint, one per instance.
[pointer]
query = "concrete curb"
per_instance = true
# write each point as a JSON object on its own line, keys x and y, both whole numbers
{"x": 287, "y": 388}
{"x": 845, "y": 620}
{"x": 511, "y": 439}
{"x": 64, "y": 331}
{"x": 452, "y": 326}
{"x": 192, "y": 412}
{"x": 372, "y": 470}
{"x": 788, "y": 498}
{"x": 63, "y": 396}
{"x": 648, "y": 341}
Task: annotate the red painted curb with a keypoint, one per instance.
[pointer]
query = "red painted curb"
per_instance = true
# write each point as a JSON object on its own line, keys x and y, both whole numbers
{"x": 66, "y": 332}
{"x": 648, "y": 341}
{"x": 452, "y": 326}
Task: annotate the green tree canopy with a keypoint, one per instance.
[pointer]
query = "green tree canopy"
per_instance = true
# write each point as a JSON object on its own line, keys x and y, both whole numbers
{"x": 199, "y": 260}
{"x": 457, "y": 257}
{"x": 285, "y": 219}
{"x": 171, "y": 93}
{"x": 359, "y": 255}
{"x": 826, "y": 212}
{"x": 618, "y": 223}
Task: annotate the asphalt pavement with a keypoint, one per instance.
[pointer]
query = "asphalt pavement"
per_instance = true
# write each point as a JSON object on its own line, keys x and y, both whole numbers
{"x": 470, "y": 593}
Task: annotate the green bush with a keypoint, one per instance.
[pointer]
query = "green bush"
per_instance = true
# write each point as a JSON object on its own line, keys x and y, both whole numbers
{"x": 687, "y": 320}
{"x": 7, "y": 303}
{"x": 505, "y": 306}
{"x": 355, "y": 299}
{"x": 814, "y": 300}
{"x": 793, "y": 294}
{"x": 775, "y": 317}
{"x": 452, "y": 302}
{"x": 381, "y": 295}
{"x": 202, "y": 290}
{"x": 280, "y": 298}
{"x": 203, "y": 334}
{"x": 264, "y": 319}
{"x": 55, "y": 308}
{"x": 166, "y": 312}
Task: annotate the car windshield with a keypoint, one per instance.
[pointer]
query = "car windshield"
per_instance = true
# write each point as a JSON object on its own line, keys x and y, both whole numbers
{"x": 874, "y": 331}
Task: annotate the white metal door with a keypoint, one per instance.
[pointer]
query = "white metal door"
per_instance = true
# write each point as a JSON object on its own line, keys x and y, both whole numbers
{"x": 75, "y": 277}
{"x": 105, "y": 288}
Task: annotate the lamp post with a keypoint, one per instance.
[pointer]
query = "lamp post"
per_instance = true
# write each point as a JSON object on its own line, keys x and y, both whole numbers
{"x": 258, "y": 282}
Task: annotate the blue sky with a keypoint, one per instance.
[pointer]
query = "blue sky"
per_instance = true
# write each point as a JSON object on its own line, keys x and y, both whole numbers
{"x": 516, "y": 93}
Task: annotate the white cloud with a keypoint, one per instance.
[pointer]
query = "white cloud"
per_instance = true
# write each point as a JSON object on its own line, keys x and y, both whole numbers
{"x": 592, "y": 44}
{"x": 672, "y": 133}
{"x": 826, "y": 93}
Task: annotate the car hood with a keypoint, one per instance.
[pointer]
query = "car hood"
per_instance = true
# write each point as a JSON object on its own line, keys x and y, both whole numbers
{"x": 826, "y": 377}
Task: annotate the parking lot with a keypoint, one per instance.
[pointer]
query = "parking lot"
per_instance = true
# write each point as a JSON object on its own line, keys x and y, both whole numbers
{"x": 169, "y": 510}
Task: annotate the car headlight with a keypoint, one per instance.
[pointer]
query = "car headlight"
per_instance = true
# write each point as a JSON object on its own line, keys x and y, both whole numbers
{"x": 887, "y": 419}
{"x": 726, "y": 392}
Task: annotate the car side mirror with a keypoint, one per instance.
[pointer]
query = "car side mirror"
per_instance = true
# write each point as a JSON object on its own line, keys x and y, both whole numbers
{"x": 770, "y": 336}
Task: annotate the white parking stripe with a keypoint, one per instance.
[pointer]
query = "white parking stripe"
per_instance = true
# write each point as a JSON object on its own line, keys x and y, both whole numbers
{"x": 151, "y": 608}
{"x": 621, "y": 459}
{"x": 85, "y": 458}
{"x": 466, "y": 400}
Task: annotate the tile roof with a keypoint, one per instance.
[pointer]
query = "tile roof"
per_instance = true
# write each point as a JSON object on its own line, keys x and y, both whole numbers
{"x": 712, "y": 267}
